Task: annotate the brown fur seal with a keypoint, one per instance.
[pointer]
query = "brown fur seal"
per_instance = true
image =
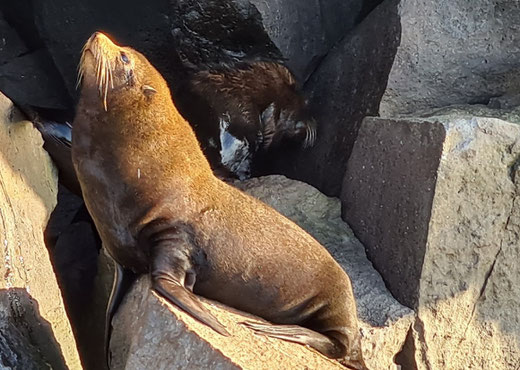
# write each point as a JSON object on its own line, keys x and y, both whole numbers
{"x": 252, "y": 108}
{"x": 160, "y": 210}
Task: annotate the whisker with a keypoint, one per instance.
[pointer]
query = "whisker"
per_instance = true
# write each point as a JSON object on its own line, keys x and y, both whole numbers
{"x": 105, "y": 83}
{"x": 101, "y": 74}
{"x": 98, "y": 66}
{"x": 310, "y": 136}
{"x": 111, "y": 75}
{"x": 81, "y": 67}
{"x": 80, "y": 75}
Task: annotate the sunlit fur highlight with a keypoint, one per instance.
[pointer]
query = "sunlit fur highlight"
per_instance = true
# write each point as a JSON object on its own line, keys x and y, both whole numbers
{"x": 100, "y": 47}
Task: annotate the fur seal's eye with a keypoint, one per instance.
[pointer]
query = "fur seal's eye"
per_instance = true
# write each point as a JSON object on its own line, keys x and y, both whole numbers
{"x": 124, "y": 58}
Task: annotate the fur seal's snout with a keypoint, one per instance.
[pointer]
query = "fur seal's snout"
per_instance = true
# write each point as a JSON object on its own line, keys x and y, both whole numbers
{"x": 104, "y": 66}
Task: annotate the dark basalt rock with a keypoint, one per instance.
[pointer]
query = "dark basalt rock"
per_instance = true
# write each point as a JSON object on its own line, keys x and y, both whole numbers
{"x": 306, "y": 30}
{"x": 347, "y": 86}
{"x": 31, "y": 79}
{"x": 27, "y": 74}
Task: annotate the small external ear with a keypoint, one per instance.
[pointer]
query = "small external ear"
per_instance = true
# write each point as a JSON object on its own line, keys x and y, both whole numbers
{"x": 149, "y": 91}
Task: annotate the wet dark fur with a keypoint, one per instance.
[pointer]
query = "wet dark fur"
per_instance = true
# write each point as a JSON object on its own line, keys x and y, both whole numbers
{"x": 262, "y": 101}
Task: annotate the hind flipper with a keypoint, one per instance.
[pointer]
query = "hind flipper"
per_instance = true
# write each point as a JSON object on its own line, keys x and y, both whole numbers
{"x": 171, "y": 263}
{"x": 187, "y": 301}
{"x": 123, "y": 278}
{"x": 329, "y": 346}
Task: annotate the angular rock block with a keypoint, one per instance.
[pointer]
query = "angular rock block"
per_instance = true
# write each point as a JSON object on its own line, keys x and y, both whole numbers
{"x": 148, "y": 332}
{"x": 32, "y": 316}
{"x": 435, "y": 203}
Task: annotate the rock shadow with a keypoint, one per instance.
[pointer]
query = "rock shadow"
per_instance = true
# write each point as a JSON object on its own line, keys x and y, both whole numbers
{"x": 27, "y": 340}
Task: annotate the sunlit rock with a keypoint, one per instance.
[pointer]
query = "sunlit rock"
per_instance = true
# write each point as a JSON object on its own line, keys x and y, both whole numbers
{"x": 34, "y": 327}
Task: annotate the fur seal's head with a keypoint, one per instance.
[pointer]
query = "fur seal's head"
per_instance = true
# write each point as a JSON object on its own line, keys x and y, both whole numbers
{"x": 287, "y": 116}
{"x": 106, "y": 68}
{"x": 288, "y": 122}
{"x": 258, "y": 92}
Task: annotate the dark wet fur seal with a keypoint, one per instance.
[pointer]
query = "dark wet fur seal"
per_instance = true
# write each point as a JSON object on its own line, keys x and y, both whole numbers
{"x": 160, "y": 210}
{"x": 242, "y": 110}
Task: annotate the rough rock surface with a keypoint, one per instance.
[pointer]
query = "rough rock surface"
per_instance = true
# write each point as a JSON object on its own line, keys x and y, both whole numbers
{"x": 305, "y": 30}
{"x": 405, "y": 56}
{"x": 434, "y": 200}
{"x": 17, "y": 351}
{"x": 453, "y": 52}
{"x": 384, "y": 323}
{"x": 30, "y": 299}
{"x": 346, "y": 87}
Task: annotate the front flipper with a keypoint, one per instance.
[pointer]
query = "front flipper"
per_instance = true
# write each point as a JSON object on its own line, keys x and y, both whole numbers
{"x": 330, "y": 347}
{"x": 123, "y": 278}
{"x": 171, "y": 262}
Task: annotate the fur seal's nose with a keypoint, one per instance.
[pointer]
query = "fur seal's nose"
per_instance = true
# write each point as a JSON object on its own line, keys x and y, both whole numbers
{"x": 100, "y": 38}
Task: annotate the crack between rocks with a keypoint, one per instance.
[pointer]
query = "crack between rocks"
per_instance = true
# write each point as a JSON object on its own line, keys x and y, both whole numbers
{"x": 418, "y": 326}
{"x": 491, "y": 268}
{"x": 483, "y": 288}
{"x": 513, "y": 169}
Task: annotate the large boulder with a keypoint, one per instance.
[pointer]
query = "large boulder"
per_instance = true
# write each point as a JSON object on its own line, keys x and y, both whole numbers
{"x": 35, "y": 328}
{"x": 158, "y": 338}
{"x": 434, "y": 201}
{"x": 453, "y": 52}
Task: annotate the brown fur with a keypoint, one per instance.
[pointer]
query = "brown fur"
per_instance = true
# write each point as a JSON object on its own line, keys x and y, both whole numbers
{"x": 244, "y": 91}
{"x": 142, "y": 172}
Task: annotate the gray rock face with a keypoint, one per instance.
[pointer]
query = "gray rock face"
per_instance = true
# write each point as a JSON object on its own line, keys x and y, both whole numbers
{"x": 32, "y": 79}
{"x": 141, "y": 341}
{"x": 306, "y": 30}
{"x": 406, "y": 56}
{"x": 453, "y": 52}
{"x": 346, "y": 87}
{"x": 392, "y": 158}
{"x": 11, "y": 45}
{"x": 434, "y": 202}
